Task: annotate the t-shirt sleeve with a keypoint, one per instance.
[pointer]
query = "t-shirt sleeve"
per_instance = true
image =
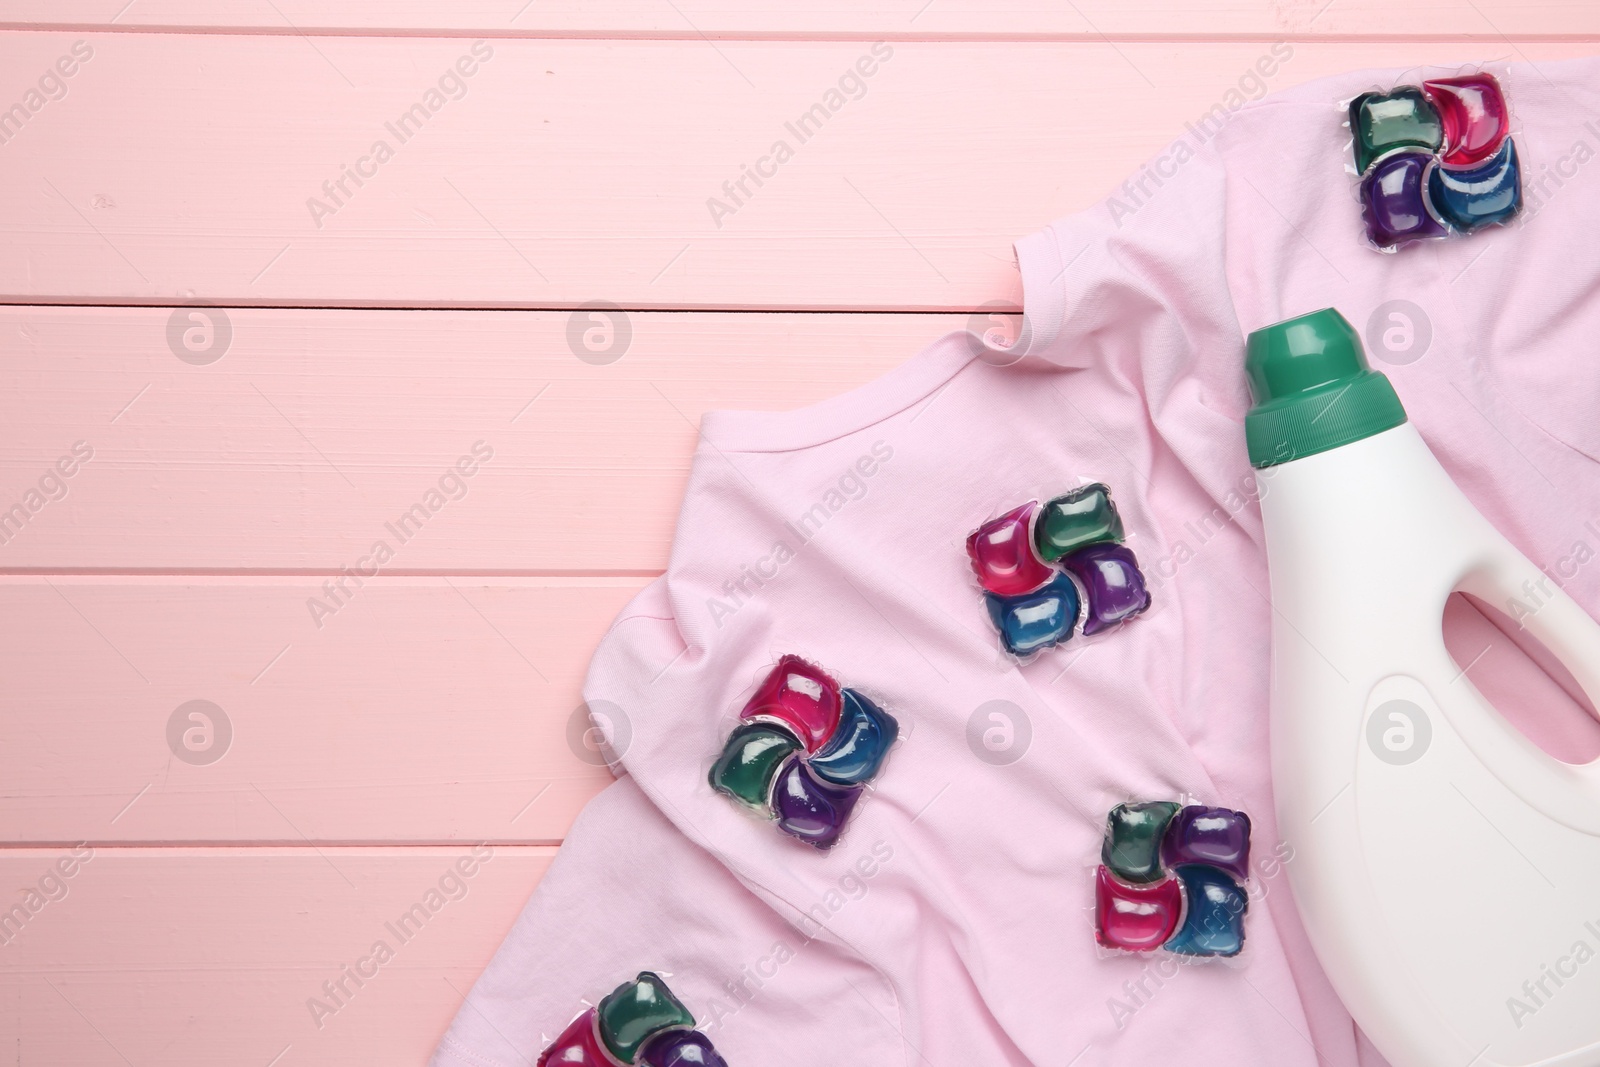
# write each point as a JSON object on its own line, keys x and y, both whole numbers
{"x": 1138, "y": 283}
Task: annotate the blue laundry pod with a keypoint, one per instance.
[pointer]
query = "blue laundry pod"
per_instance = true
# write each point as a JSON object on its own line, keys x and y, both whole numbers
{"x": 1213, "y": 922}
{"x": 1471, "y": 199}
{"x": 1040, "y": 619}
{"x": 859, "y": 743}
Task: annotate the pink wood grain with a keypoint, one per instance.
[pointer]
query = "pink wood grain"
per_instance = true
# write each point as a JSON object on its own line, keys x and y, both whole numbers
{"x": 183, "y": 164}
{"x": 425, "y": 709}
{"x": 686, "y": 19}
{"x": 196, "y": 957}
{"x": 433, "y": 709}
{"x": 317, "y": 428}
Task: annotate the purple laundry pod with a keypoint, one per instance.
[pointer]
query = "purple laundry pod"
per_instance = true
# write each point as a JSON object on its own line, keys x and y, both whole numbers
{"x": 810, "y": 809}
{"x": 1218, "y": 837}
{"x": 1112, "y": 583}
{"x": 1392, "y": 200}
{"x": 681, "y": 1048}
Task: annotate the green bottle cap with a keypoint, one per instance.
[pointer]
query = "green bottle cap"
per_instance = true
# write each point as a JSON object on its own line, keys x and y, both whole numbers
{"x": 1313, "y": 389}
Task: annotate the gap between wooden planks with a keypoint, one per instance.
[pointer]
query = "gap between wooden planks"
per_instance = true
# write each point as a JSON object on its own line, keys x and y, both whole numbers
{"x": 308, "y": 435}
{"x": 416, "y": 706}
{"x": 425, "y": 710}
{"x": 549, "y": 179}
{"x": 378, "y": 726}
{"x": 203, "y": 956}
{"x": 784, "y": 19}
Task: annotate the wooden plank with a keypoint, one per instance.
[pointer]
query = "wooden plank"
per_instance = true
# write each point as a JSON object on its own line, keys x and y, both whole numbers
{"x": 832, "y": 18}
{"x": 185, "y": 956}
{"x": 423, "y": 710}
{"x": 315, "y": 432}
{"x": 572, "y": 171}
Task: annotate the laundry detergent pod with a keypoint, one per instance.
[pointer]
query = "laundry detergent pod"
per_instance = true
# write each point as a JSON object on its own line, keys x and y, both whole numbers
{"x": 1474, "y": 117}
{"x": 1214, "y": 909}
{"x": 1033, "y": 621}
{"x": 800, "y": 697}
{"x": 681, "y": 1048}
{"x": 635, "y": 1012}
{"x": 1134, "y": 833}
{"x": 1482, "y": 196}
{"x": 1113, "y": 586}
{"x": 1043, "y": 569}
{"x": 1003, "y": 556}
{"x": 1380, "y": 123}
{"x": 1136, "y": 918}
{"x": 749, "y": 763}
{"x": 804, "y": 751}
{"x": 1085, "y": 516}
{"x": 1217, "y": 837}
{"x": 1394, "y": 201}
{"x": 1435, "y": 160}
{"x": 1173, "y": 876}
{"x": 577, "y": 1046}
{"x": 638, "y": 1024}
{"x": 858, "y": 747}
{"x": 809, "y": 808}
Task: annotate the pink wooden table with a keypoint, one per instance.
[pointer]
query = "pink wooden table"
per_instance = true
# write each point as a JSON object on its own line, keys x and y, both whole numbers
{"x": 243, "y": 345}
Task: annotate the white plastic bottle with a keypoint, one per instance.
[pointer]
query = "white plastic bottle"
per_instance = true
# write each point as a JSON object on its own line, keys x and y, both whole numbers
{"x": 1447, "y": 869}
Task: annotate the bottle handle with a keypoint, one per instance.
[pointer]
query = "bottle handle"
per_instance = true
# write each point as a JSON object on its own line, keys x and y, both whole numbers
{"x": 1557, "y": 620}
{"x": 1569, "y": 793}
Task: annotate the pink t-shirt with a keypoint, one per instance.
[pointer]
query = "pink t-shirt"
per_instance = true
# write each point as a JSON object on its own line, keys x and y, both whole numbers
{"x": 953, "y": 924}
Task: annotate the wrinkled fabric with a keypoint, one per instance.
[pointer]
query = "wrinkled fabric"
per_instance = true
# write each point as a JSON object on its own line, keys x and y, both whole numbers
{"x": 953, "y": 923}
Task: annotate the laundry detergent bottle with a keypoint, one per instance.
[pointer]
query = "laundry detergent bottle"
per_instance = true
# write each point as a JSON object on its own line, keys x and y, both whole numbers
{"x": 1446, "y": 868}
